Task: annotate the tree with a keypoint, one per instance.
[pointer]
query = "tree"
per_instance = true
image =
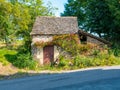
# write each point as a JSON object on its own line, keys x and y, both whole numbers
{"x": 6, "y": 22}
{"x": 75, "y": 8}
{"x": 17, "y": 18}
{"x": 101, "y": 17}
{"x": 36, "y": 8}
{"x": 13, "y": 18}
{"x": 114, "y": 6}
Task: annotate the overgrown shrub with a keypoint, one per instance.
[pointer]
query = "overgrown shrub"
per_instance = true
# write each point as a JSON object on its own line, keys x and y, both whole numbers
{"x": 101, "y": 59}
{"x": 96, "y": 52}
{"x": 116, "y": 48}
{"x": 63, "y": 62}
{"x": 82, "y": 62}
{"x": 105, "y": 59}
{"x": 25, "y": 61}
{"x": 116, "y": 52}
{"x": 69, "y": 42}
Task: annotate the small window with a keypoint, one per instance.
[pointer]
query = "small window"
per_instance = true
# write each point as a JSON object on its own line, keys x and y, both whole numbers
{"x": 83, "y": 39}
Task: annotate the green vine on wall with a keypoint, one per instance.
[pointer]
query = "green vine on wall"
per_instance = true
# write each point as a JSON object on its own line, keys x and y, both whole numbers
{"x": 69, "y": 42}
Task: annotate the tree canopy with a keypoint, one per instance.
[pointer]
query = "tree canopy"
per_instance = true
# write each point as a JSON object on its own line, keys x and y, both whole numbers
{"x": 101, "y": 17}
{"x": 17, "y": 18}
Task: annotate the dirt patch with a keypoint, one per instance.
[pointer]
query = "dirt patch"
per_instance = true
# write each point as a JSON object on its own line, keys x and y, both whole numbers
{"x": 7, "y": 70}
{"x": 11, "y": 72}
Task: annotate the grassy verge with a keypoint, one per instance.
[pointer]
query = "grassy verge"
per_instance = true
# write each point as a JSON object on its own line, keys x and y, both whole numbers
{"x": 81, "y": 61}
{"x": 96, "y": 58}
{"x": 3, "y": 52}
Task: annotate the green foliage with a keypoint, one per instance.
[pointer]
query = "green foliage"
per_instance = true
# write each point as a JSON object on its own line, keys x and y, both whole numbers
{"x": 63, "y": 62}
{"x": 100, "y": 17}
{"x": 25, "y": 61}
{"x": 14, "y": 18}
{"x": 3, "y": 52}
{"x": 17, "y": 18}
{"x": 100, "y": 60}
{"x": 69, "y": 43}
{"x": 82, "y": 62}
{"x": 116, "y": 52}
{"x": 116, "y": 49}
{"x": 96, "y": 52}
{"x": 108, "y": 59}
{"x": 20, "y": 60}
{"x": 35, "y": 8}
{"x": 75, "y": 8}
{"x": 96, "y": 16}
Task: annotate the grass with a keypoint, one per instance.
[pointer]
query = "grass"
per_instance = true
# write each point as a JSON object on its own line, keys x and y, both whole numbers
{"x": 16, "y": 56}
{"x": 3, "y": 52}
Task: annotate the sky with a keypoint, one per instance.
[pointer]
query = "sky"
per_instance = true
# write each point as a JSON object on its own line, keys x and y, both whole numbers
{"x": 58, "y": 4}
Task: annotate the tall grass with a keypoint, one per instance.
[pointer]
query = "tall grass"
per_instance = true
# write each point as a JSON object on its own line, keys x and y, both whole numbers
{"x": 3, "y": 52}
{"x": 97, "y": 59}
{"x": 20, "y": 60}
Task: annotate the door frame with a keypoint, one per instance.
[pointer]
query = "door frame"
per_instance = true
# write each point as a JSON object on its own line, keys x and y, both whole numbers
{"x": 48, "y": 54}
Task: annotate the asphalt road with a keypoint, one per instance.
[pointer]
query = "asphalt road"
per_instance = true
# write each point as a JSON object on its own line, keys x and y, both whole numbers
{"x": 54, "y": 81}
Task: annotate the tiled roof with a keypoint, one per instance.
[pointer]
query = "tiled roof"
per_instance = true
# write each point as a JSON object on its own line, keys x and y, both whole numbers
{"x": 55, "y": 25}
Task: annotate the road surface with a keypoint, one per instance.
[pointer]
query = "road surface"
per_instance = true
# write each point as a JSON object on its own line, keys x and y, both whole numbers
{"x": 54, "y": 81}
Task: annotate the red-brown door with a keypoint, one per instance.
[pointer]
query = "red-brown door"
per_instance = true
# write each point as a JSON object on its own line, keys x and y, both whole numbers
{"x": 48, "y": 54}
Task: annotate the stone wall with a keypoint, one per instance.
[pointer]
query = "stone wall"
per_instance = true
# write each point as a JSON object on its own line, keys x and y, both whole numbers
{"x": 56, "y": 53}
{"x": 37, "y": 52}
{"x": 39, "y": 38}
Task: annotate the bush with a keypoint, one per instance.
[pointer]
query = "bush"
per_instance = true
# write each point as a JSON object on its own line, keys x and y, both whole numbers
{"x": 96, "y": 52}
{"x": 116, "y": 52}
{"x": 82, "y": 62}
{"x": 63, "y": 62}
{"x": 25, "y": 61}
{"x": 101, "y": 59}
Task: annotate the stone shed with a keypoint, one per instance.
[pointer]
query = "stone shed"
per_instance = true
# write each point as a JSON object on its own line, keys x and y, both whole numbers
{"x": 89, "y": 38}
{"x": 43, "y": 31}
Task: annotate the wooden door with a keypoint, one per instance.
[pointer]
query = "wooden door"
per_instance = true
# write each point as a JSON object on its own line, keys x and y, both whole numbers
{"x": 48, "y": 54}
